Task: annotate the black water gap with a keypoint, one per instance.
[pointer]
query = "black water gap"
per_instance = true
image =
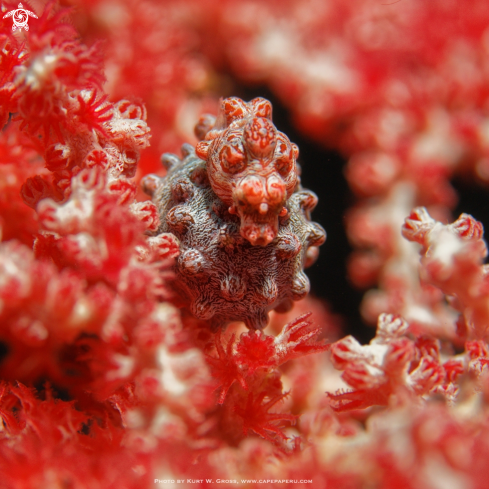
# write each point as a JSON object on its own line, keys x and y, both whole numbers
{"x": 473, "y": 199}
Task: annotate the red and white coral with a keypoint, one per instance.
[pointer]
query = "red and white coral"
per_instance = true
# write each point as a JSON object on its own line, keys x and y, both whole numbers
{"x": 452, "y": 260}
{"x": 88, "y": 308}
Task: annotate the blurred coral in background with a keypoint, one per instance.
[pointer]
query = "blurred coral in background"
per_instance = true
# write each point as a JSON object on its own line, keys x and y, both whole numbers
{"x": 108, "y": 378}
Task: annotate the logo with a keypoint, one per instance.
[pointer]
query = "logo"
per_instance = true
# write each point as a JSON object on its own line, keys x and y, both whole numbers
{"x": 20, "y": 17}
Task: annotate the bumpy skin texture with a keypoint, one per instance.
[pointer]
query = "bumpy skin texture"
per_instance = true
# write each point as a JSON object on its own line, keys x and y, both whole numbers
{"x": 251, "y": 165}
{"x": 223, "y": 275}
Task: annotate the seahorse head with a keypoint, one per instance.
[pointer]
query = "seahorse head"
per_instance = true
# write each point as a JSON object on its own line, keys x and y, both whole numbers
{"x": 251, "y": 165}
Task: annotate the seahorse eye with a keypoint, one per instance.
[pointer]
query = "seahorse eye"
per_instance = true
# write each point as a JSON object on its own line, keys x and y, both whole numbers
{"x": 232, "y": 157}
{"x": 283, "y": 158}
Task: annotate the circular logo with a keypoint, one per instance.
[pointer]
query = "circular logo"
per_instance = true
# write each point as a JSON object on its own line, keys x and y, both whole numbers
{"x": 20, "y": 17}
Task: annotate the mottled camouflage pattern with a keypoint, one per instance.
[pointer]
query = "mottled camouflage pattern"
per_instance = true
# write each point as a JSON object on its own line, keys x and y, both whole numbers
{"x": 220, "y": 273}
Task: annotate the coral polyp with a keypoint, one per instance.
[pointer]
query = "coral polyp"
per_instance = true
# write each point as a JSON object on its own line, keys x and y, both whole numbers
{"x": 241, "y": 216}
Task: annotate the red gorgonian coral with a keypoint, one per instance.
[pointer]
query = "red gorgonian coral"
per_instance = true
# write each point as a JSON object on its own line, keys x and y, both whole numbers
{"x": 133, "y": 347}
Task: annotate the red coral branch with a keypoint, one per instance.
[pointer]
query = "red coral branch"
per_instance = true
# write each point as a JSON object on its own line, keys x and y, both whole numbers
{"x": 224, "y": 367}
{"x": 298, "y": 338}
{"x": 256, "y": 417}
